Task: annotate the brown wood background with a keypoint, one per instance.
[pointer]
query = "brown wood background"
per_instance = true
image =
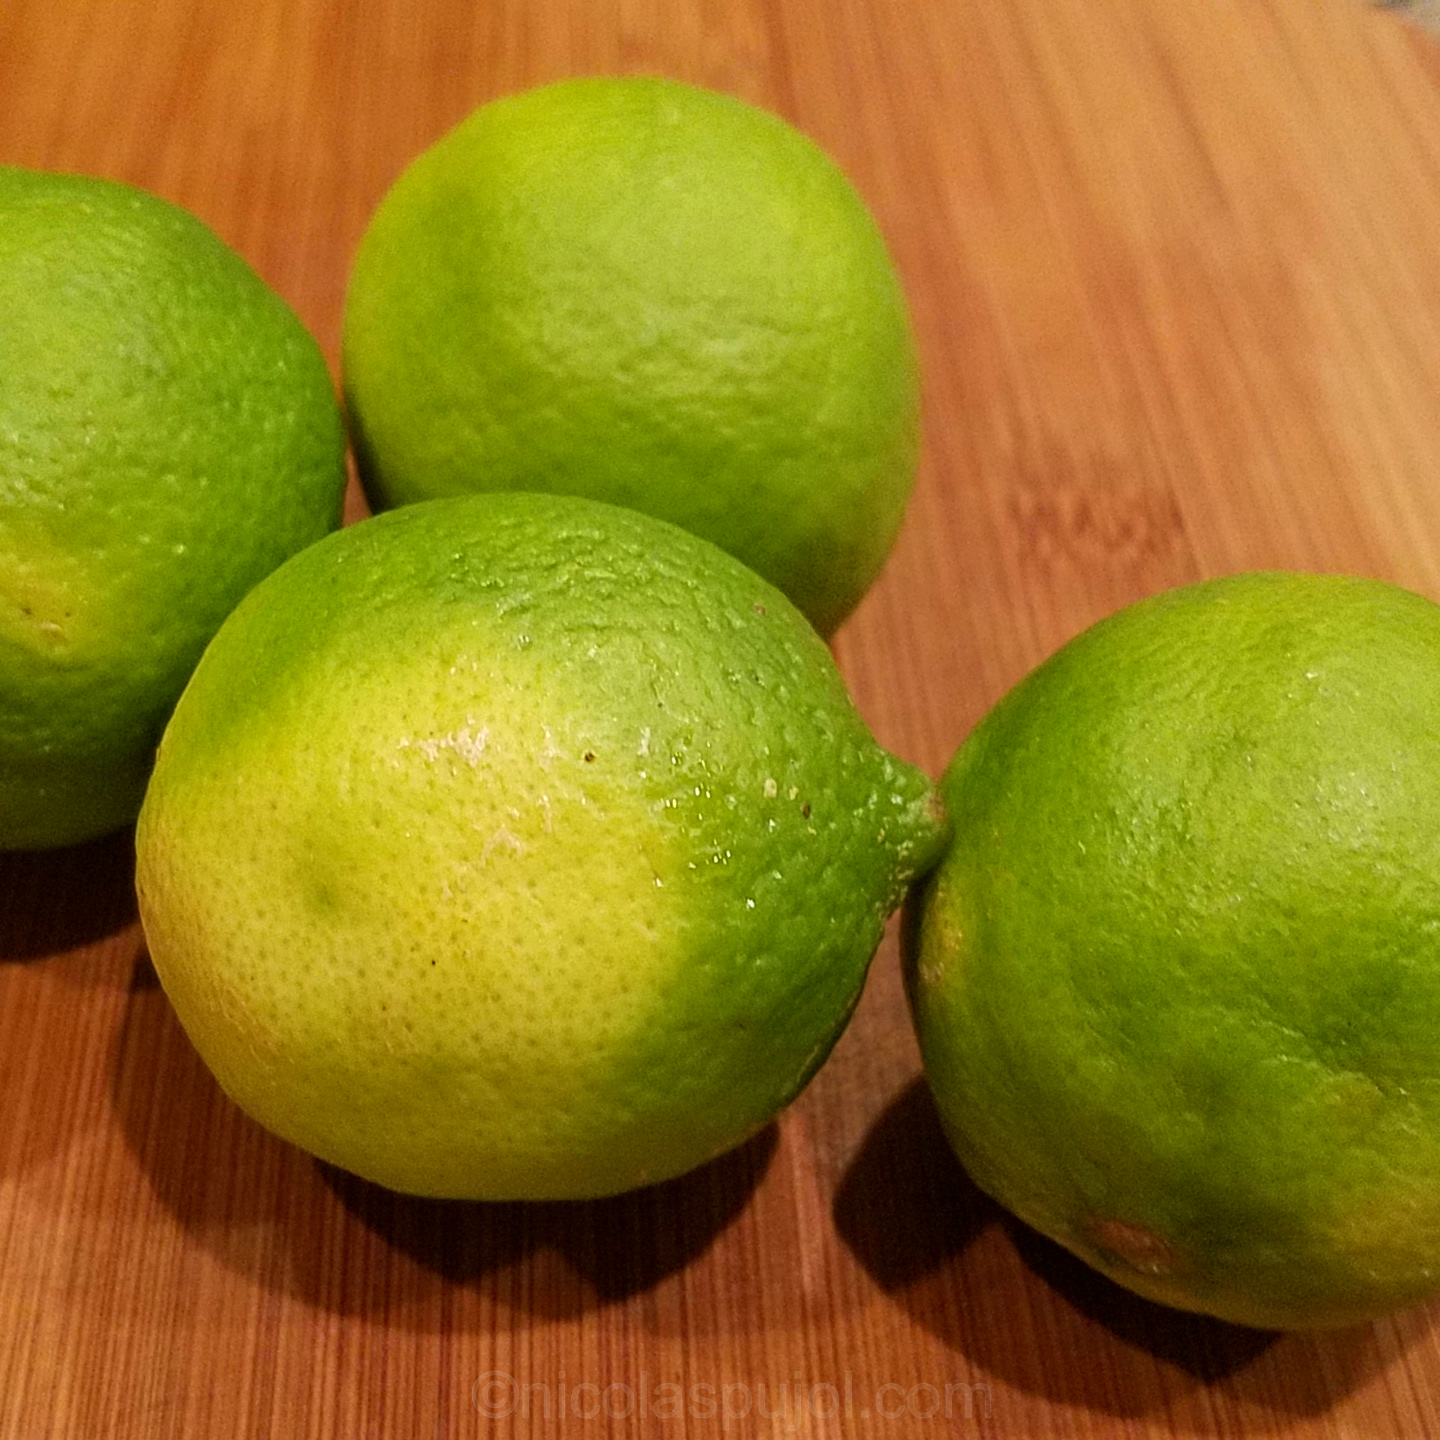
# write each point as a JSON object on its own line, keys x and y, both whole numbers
{"x": 1175, "y": 268}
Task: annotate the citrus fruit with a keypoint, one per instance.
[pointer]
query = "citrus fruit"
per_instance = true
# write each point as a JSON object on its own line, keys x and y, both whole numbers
{"x": 519, "y": 846}
{"x": 168, "y": 435}
{"x": 650, "y": 294}
{"x": 1177, "y": 983}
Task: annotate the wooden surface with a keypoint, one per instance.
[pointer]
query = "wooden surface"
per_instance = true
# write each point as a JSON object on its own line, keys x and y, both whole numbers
{"x": 1175, "y": 270}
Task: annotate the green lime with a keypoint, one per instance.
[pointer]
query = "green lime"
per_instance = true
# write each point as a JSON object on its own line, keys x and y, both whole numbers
{"x": 649, "y": 294}
{"x": 1177, "y": 983}
{"x": 168, "y": 435}
{"x": 519, "y": 846}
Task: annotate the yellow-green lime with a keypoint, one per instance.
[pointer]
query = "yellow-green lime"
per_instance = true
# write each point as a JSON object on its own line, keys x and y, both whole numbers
{"x": 1177, "y": 982}
{"x": 518, "y": 846}
{"x": 650, "y": 294}
{"x": 168, "y": 435}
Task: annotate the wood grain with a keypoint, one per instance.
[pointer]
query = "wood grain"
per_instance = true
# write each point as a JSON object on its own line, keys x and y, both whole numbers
{"x": 1174, "y": 274}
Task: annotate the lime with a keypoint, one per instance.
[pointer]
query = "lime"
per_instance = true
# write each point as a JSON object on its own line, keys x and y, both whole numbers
{"x": 650, "y": 294}
{"x": 519, "y": 846}
{"x": 1177, "y": 983}
{"x": 168, "y": 435}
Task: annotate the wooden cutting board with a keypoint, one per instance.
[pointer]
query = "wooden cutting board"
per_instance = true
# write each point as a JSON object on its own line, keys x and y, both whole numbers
{"x": 1175, "y": 269}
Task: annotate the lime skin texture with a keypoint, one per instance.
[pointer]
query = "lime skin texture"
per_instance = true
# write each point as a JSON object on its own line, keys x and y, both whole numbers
{"x": 520, "y": 847}
{"x": 1177, "y": 981}
{"x": 653, "y": 295}
{"x": 168, "y": 435}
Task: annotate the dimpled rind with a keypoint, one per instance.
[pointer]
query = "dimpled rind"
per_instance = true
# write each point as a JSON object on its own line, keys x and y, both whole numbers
{"x": 520, "y": 847}
{"x": 653, "y": 295}
{"x": 1177, "y": 982}
{"x": 168, "y": 435}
